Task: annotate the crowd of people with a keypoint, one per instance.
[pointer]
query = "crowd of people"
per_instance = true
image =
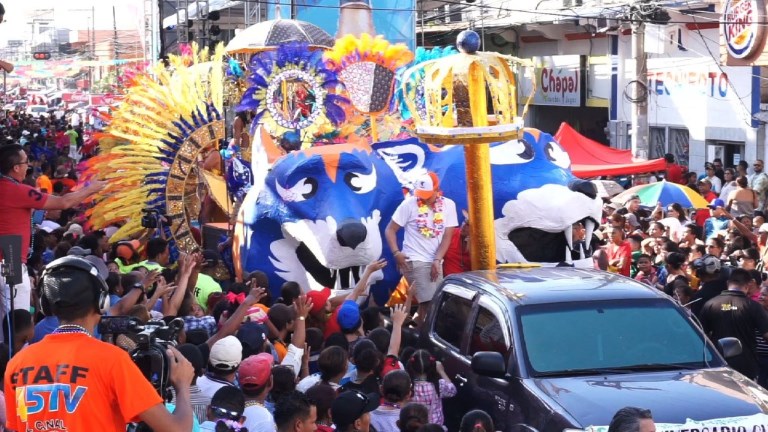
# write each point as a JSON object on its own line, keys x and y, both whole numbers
{"x": 710, "y": 259}
{"x": 246, "y": 358}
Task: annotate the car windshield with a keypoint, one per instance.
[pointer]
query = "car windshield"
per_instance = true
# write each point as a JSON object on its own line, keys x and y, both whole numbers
{"x": 39, "y": 109}
{"x": 566, "y": 338}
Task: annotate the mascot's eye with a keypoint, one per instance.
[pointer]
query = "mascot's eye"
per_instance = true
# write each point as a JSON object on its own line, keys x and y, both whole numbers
{"x": 305, "y": 189}
{"x": 557, "y": 155}
{"x": 361, "y": 183}
{"x": 512, "y": 153}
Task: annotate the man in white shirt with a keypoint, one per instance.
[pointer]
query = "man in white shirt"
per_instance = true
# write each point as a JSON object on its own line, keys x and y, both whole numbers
{"x": 223, "y": 362}
{"x": 717, "y": 185}
{"x": 429, "y": 220}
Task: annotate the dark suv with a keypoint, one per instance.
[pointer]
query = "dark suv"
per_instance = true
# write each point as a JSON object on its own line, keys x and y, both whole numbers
{"x": 563, "y": 348}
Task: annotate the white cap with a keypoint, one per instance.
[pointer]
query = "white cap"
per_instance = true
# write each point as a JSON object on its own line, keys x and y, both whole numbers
{"x": 426, "y": 185}
{"x": 226, "y": 353}
{"x": 48, "y": 226}
{"x": 75, "y": 229}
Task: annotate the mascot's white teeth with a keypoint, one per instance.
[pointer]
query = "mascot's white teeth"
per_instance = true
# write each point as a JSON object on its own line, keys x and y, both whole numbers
{"x": 589, "y": 227}
{"x": 569, "y": 239}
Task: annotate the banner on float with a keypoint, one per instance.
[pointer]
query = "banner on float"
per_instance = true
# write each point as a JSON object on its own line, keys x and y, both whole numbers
{"x": 393, "y": 19}
{"x": 753, "y": 423}
{"x": 557, "y": 81}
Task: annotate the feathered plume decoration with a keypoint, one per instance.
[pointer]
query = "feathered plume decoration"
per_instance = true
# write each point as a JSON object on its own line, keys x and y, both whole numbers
{"x": 367, "y": 66}
{"x": 143, "y": 140}
{"x": 310, "y": 101}
{"x": 416, "y": 80}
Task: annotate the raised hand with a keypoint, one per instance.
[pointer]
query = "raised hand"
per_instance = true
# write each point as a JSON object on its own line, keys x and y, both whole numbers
{"x": 303, "y": 306}
{"x": 399, "y": 314}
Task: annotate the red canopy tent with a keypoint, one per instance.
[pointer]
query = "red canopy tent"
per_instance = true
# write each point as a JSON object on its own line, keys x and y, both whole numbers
{"x": 591, "y": 159}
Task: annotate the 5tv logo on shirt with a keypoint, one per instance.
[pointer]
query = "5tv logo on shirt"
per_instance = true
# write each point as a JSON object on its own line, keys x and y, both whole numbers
{"x": 37, "y": 398}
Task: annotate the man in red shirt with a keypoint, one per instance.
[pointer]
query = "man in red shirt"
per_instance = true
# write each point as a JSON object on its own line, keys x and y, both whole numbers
{"x": 17, "y": 201}
{"x": 674, "y": 171}
{"x": 619, "y": 253}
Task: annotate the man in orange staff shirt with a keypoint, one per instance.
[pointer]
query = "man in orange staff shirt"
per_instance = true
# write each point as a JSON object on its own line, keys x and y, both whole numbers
{"x": 71, "y": 381}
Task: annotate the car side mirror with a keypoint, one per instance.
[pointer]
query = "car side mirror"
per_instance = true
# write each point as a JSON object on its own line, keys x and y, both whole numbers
{"x": 489, "y": 363}
{"x": 729, "y": 346}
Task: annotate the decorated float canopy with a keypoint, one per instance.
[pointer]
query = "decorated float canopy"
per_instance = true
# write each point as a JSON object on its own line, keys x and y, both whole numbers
{"x": 269, "y": 35}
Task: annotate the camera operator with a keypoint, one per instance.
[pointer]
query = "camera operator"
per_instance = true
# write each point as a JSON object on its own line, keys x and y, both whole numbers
{"x": 71, "y": 381}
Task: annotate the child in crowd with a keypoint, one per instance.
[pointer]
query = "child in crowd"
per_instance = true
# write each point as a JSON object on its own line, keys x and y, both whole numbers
{"x": 225, "y": 414}
{"x": 395, "y": 391}
{"x": 430, "y": 384}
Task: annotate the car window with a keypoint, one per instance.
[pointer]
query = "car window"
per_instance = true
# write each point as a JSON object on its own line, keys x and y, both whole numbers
{"x": 487, "y": 334}
{"x": 452, "y": 316}
{"x": 612, "y": 334}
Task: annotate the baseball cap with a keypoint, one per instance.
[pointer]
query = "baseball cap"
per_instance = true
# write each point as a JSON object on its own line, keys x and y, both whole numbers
{"x": 708, "y": 263}
{"x": 319, "y": 298}
{"x": 100, "y": 265}
{"x": 349, "y": 315}
{"x": 350, "y": 406}
{"x": 715, "y": 203}
{"x": 632, "y": 197}
{"x": 253, "y": 335}
{"x": 255, "y": 370}
{"x": 124, "y": 250}
{"x": 426, "y": 185}
{"x": 763, "y": 228}
{"x": 78, "y": 251}
{"x": 75, "y": 230}
{"x": 226, "y": 354}
{"x": 256, "y": 314}
{"x": 49, "y": 226}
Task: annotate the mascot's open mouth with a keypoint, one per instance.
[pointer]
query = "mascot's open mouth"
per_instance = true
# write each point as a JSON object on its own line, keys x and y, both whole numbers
{"x": 346, "y": 277}
{"x": 537, "y": 245}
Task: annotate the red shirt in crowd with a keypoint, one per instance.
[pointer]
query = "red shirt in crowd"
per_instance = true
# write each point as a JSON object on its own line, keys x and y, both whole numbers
{"x": 675, "y": 174}
{"x": 456, "y": 259}
{"x": 16, "y": 204}
{"x": 624, "y": 250}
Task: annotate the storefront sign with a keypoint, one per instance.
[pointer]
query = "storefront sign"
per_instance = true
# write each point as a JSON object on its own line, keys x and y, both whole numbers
{"x": 743, "y": 30}
{"x": 557, "y": 81}
{"x": 694, "y": 93}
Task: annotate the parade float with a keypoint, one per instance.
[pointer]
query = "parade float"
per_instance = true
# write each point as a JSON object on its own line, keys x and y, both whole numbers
{"x": 337, "y": 133}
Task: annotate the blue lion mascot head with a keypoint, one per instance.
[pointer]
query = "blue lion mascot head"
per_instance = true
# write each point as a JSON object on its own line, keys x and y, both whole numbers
{"x": 318, "y": 219}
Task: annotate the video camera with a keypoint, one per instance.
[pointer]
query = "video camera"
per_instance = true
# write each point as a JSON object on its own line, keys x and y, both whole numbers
{"x": 146, "y": 344}
{"x": 151, "y": 218}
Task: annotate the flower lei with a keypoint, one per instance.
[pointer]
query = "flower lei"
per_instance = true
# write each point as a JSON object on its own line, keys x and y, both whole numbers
{"x": 438, "y": 224}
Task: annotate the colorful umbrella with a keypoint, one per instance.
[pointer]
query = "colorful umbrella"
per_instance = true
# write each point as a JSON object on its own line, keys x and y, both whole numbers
{"x": 607, "y": 188}
{"x": 665, "y": 193}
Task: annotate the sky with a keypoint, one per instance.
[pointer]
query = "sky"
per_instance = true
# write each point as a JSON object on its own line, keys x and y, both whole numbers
{"x": 19, "y": 13}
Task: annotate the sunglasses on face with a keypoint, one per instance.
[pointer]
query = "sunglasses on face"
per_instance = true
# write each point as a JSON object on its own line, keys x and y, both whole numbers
{"x": 224, "y": 413}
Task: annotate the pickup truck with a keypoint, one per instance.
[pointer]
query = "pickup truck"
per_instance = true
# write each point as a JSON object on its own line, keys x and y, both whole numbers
{"x": 556, "y": 349}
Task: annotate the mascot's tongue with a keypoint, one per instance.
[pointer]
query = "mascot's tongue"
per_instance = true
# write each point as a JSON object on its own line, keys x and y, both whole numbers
{"x": 539, "y": 246}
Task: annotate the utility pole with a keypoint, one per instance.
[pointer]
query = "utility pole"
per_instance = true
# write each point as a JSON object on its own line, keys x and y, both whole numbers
{"x": 114, "y": 28}
{"x": 93, "y": 44}
{"x": 640, "y": 146}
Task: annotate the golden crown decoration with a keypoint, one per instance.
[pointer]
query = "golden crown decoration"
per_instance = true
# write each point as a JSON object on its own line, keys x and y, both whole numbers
{"x": 455, "y": 92}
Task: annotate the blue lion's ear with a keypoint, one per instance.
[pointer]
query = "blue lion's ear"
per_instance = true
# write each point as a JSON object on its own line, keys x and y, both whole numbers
{"x": 404, "y": 157}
